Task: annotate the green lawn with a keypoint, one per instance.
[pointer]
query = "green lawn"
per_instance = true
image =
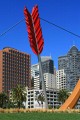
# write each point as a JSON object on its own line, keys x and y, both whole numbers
{"x": 39, "y": 116}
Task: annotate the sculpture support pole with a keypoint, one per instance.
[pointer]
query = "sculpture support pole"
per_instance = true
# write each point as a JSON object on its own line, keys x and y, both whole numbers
{"x": 43, "y": 83}
{"x": 36, "y": 40}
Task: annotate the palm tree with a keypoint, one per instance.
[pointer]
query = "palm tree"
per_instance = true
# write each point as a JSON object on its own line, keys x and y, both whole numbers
{"x": 19, "y": 95}
{"x": 63, "y": 95}
{"x": 3, "y": 99}
{"x": 40, "y": 98}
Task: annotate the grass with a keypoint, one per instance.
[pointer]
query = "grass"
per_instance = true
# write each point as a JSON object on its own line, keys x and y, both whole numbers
{"x": 39, "y": 116}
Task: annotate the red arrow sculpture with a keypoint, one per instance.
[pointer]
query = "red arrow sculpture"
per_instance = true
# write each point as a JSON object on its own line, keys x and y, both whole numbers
{"x": 34, "y": 30}
{"x": 36, "y": 39}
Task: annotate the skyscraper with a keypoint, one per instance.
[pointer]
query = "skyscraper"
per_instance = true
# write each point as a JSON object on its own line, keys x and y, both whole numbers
{"x": 14, "y": 69}
{"x": 48, "y": 70}
{"x": 47, "y": 64}
{"x": 71, "y": 65}
{"x": 49, "y": 79}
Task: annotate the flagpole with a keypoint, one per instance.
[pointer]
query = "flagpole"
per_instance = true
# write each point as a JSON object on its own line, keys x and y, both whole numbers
{"x": 43, "y": 83}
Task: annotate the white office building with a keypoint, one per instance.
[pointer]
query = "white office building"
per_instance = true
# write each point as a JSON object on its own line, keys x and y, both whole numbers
{"x": 32, "y": 101}
{"x": 35, "y": 70}
{"x": 61, "y": 79}
{"x": 37, "y": 82}
{"x": 49, "y": 79}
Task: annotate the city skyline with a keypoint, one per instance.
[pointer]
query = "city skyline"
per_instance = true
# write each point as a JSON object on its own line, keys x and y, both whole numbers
{"x": 56, "y": 41}
{"x": 71, "y": 65}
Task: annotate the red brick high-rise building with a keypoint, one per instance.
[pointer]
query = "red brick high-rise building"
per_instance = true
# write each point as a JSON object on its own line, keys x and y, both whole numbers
{"x": 15, "y": 68}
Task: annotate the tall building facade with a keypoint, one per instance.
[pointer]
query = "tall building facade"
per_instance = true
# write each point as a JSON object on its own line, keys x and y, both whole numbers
{"x": 14, "y": 69}
{"x": 47, "y": 64}
{"x": 49, "y": 79}
{"x": 61, "y": 79}
{"x": 37, "y": 82}
{"x": 47, "y": 69}
{"x": 71, "y": 65}
{"x": 35, "y": 70}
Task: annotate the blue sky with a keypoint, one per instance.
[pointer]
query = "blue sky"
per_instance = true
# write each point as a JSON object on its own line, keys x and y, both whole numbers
{"x": 65, "y": 13}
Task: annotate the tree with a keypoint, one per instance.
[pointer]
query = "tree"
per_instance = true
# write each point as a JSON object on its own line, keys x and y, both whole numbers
{"x": 50, "y": 106}
{"x": 40, "y": 98}
{"x": 18, "y": 95}
{"x": 3, "y": 100}
{"x": 10, "y": 104}
{"x": 63, "y": 95}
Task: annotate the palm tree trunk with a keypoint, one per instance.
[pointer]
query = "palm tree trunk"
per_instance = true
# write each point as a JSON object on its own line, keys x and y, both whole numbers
{"x": 42, "y": 104}
{"x": 19, "y": 105}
